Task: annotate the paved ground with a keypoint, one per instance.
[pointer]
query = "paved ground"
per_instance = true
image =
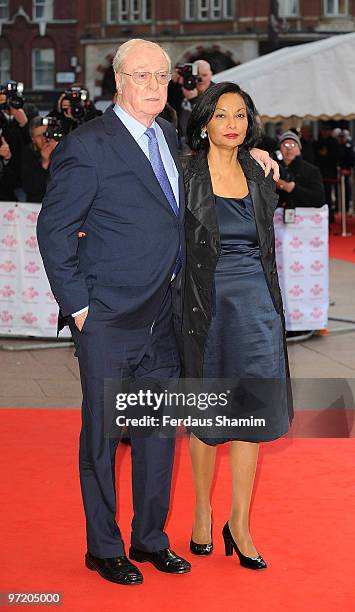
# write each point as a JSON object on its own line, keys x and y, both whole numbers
{"x": 50, "y": 378}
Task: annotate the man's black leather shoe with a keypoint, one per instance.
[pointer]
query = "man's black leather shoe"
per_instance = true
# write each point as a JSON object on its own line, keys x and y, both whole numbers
{"x": 164, "y": 560}
{"x": 115, "y": 569}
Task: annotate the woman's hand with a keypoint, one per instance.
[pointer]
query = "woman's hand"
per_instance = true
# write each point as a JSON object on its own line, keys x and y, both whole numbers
{"x": 266, "y": 162}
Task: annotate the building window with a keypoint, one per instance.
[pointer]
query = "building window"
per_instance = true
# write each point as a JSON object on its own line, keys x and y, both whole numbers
{"x": 43, "y": 68}
{"x": 336, "y": 8}
{"x": 128, "y": 11}
{"x": 288, "y": 8}
{"x": 42, "y": 10}
{"x": 208, "y": 10}
{"x": 4, "y": 10}
{"x": 5, "y": 59}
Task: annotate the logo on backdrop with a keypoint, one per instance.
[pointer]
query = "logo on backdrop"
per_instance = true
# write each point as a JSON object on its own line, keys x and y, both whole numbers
{"x": 296, "y": 267}
{"x": 8, "y": 266}
{"x": 29, "y": 318}
{"x": 11, "y": 215}
{"x": 317, "y": 266}
{"x": 7, "y": 292}
{"x": 9, "y": 241}
{"x": 5, "y": 316}
{"x": 296, "y": 290}
{"x": 296, "y": 314}
{"x": 32, "y": 267}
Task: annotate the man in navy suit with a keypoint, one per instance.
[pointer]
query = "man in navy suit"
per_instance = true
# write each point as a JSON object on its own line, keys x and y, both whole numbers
{"x": 118, "y": 180}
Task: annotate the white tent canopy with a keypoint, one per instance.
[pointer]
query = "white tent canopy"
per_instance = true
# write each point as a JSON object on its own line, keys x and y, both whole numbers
{"x": 315, "y": 80}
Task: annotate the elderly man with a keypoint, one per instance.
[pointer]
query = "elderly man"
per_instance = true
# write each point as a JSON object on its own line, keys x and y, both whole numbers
{"x": 118, "y": 180}
{"x": 301, "y": 182}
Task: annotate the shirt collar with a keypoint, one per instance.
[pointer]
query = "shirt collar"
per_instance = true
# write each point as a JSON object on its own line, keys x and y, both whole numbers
{"x": 136, "y": 128}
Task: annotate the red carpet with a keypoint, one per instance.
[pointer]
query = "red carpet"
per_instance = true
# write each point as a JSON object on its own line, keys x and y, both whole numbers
{"x": 302, "y": 521}
{"x": 342, "y": 247}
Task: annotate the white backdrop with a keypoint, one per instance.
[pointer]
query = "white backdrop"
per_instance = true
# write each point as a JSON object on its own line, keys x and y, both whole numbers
{"x": 27, "y": 305}
{"x": 28, "y": 308}
{"x": 302, "y": 264}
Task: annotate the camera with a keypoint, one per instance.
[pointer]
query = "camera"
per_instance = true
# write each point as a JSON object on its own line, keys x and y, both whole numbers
{"x": 285, "y": 174}
{"x": 189, "y": 73}
{"x": 78, "y": 98}
{"x": 14, "y": 95}
{"x": 54, "y": 129}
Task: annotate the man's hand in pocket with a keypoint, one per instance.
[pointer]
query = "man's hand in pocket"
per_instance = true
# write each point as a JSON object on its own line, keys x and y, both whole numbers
{"x": 80, "y": 319}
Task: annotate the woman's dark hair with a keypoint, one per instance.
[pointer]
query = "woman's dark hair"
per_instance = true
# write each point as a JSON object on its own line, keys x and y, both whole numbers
{"x": 203, "y": 111}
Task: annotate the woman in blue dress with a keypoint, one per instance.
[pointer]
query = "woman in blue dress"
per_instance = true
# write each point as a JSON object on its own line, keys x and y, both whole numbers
{"x": 233, "y": 324}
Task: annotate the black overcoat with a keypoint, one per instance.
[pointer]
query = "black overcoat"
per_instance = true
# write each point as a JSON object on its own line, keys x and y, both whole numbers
{"x": 203, "y": 249}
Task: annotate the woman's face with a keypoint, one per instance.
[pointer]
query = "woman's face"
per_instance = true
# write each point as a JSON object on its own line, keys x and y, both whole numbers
{"x": 228, "y": 126}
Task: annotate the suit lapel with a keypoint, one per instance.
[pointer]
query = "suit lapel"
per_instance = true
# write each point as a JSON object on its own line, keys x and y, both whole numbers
{"x": 172, "y": 144}
{"x": 124, "y": 145}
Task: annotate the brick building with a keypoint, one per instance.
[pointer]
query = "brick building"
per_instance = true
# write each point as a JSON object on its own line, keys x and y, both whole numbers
{"x": 225, "y": 32}
{"x": 50, "y": 43}
{"x": 39, "y": 45}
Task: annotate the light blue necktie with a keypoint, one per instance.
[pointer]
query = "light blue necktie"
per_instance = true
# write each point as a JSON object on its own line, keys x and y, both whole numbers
{"x": 163, "y": 180}
{"x": 159, "y": 169}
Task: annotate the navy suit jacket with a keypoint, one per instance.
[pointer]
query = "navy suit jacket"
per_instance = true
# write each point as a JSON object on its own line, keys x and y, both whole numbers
{"x": 103, "y": 184}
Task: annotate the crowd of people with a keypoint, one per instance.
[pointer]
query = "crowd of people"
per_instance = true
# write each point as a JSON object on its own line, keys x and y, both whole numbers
{"x": 310, "y": 169}
{"x": 27, "y": 139}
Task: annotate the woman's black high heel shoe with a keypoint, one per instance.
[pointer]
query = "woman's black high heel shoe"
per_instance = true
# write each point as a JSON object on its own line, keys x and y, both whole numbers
{"x": 255, "y": 563}
{"x": 201, "y": 549}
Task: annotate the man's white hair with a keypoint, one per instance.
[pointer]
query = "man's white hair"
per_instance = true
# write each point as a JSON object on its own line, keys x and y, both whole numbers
{"x": 135, "y": 43}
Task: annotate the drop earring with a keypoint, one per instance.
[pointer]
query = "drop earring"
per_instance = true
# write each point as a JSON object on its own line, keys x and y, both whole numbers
{"x": 204, "y": 133}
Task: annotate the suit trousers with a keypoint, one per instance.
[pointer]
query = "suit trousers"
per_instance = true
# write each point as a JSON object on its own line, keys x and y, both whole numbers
{"x": 104, "y": 351}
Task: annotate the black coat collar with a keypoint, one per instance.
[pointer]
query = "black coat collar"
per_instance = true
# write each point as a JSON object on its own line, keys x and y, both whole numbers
{"x": 201, "y": 199}
{"x": 198, "y": 164}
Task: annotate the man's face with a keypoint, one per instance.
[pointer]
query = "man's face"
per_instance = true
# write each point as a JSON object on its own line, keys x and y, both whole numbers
{"x": 289, "y": 149}
{"x": 66, "y": 108}
{"x": 143, "y": 101}
{"x": 38, "y": 137}
{"x": 205, "y": 77}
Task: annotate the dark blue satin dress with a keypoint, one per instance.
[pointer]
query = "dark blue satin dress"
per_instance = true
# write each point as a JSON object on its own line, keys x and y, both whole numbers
{"x": 245, "y": 339}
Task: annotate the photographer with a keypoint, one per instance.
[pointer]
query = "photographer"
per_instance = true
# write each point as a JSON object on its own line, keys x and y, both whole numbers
{"x": 327, "y": 155}
{"x": 74, "y": 107}
{"x": 346, "y": 162}
{"x": 195, "y": 79}
{"x": 300, "y": 182}
{"x": 7, "y": 172}
{"x": 14, "y": 124}
{"x": 36, "y": 159}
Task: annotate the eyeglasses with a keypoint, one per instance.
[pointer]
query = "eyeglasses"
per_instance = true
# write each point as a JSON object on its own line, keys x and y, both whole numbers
{"x": 144, "y": 78}
{"x": 290, "y": 145}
